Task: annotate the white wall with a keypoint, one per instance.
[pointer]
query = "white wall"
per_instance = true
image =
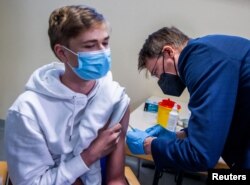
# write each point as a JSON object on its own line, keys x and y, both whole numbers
{"x": 24, "y": 44}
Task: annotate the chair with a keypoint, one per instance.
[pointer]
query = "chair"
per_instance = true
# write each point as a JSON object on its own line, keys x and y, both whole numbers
{"x": 3, "y": 172}
{"x": 130, "y": 176}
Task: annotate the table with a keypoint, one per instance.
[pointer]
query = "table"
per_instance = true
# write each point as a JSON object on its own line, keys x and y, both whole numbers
{"x": 142, "y": 120}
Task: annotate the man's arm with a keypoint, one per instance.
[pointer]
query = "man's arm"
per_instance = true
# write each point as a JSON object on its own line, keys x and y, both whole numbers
{"x": 212, "y": 81}
{"x": 116, "y": 160}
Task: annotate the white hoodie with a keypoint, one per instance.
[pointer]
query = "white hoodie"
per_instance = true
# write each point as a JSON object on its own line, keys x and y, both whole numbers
{"x": 49, "y": 124}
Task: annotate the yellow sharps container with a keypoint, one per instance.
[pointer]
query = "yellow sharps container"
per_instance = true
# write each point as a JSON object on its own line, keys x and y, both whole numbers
{"x": 164, "y": 108}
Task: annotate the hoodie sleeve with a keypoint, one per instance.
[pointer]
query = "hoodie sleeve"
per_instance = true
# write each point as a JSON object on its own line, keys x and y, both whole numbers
{"x": 29, "y": 159}
{"x": 120, "y": 108}
{"x": 117, "y": 95}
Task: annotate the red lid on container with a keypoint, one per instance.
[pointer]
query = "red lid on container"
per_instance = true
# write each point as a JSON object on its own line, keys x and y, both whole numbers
{"x": 168, "y": 103}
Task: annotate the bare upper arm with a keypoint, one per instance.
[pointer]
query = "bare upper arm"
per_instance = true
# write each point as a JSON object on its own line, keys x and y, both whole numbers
{"x": 116, "y": 160}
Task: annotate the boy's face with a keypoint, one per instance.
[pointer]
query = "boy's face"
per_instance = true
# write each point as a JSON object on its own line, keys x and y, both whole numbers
{"x": 93, "y": 39}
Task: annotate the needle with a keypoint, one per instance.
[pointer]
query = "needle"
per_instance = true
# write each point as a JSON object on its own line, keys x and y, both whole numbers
{"x": 131, "y": 127}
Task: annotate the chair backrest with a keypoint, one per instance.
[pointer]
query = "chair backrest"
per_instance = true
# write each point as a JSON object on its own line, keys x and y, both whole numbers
{"x": 3, "y": 171}
{"x": 130, "y": 176}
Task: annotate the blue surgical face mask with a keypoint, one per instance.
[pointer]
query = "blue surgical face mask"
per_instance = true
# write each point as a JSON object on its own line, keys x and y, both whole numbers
{"x": 92, "y": 65}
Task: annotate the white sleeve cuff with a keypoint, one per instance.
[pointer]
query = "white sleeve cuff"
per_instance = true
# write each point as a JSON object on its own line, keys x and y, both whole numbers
{"x": 75, "y": 168}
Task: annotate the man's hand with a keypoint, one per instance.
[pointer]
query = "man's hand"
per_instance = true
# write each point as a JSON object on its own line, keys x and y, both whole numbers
{"x": 135, "y": 140}
{"x": 159, "y": 131}
{"x": 105, "y": 143}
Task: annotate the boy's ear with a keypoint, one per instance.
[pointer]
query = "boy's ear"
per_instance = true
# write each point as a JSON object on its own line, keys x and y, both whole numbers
{"x": 60, "y": 52}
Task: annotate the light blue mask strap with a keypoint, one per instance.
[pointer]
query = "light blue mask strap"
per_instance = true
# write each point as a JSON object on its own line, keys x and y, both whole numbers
{"x": 70, "y": 50}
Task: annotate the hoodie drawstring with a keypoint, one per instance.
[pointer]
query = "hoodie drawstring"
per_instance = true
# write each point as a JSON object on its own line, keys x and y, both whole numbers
{"x": 71, "y": 122}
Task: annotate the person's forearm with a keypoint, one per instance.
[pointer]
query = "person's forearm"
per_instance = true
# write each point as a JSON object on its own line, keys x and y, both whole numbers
{"x": 89, "y": 157}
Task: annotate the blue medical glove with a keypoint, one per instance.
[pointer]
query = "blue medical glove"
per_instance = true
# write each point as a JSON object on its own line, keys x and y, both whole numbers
{"x": 135, "y": 140}
{"x": 159, "y": 131}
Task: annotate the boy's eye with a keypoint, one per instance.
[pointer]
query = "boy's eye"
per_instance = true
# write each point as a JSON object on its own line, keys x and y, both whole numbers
{"x": 105, "y": 44}
{"x": 89, "y": 46}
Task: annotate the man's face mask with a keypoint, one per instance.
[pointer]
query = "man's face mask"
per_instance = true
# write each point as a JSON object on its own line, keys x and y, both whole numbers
{"x": 92, "y": 65}
{"x": 171, "y": 84}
